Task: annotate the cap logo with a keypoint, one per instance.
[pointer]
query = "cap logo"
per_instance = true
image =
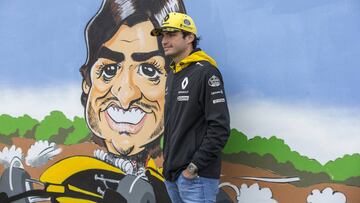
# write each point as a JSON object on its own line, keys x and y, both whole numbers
{"x": 187, "y": 22}
{"x": 166, "y": 18}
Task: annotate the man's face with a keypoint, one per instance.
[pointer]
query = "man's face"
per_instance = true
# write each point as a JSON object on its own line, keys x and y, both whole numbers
{"x": 126, "y": 99}
{"x": 174, "y": 43}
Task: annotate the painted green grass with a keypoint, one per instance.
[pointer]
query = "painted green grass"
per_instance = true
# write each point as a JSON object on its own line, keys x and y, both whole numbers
{"x": 16, "y": 125}
{"x": 46, "y": 129}
{"x": 339, "y": 170}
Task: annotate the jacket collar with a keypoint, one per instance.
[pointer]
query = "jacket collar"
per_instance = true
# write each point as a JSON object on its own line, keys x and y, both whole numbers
{"x": 195, "y": 56}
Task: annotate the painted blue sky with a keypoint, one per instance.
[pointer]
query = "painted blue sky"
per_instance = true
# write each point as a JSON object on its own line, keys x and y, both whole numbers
{"x": 42, "y": 42}
{"x": 284, "y": 50}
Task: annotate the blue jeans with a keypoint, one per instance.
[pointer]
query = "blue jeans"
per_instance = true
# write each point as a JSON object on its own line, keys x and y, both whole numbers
{"x": 197, "y": 190}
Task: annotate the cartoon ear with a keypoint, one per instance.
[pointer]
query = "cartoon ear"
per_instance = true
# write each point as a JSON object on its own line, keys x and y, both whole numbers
{"x": 85, "y": 87}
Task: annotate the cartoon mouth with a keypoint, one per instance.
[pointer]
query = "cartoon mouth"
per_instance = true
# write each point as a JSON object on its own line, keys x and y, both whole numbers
{"x": 125, "y": 121}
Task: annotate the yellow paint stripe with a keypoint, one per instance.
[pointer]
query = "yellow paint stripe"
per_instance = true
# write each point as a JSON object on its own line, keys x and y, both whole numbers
{"x": 55, "y": 188}
{"x": 76, "y": 189}
{"x": 72, "y": 200}
{"x": 153, "y": 173}
{"x": 65, "y": 168}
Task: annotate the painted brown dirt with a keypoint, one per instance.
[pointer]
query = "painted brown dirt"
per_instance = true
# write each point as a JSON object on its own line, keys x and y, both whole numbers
{"x": 67, "y": 151}
{"x": 86, "y": 149}
{"x": 282, "y": 192}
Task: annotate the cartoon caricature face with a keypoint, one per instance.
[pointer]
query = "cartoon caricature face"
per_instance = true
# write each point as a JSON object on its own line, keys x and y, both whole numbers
{"x": 126, "y": 96}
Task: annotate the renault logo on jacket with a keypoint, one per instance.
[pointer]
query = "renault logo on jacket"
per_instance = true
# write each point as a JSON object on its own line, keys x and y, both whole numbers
{"x": 184, "y": 82}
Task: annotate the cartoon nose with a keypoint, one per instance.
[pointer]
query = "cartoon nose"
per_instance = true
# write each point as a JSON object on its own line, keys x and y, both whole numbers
{"x": 125, "y": 89}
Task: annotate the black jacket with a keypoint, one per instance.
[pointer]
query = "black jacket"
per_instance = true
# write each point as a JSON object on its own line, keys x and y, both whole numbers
{"x": 197, "y": 123}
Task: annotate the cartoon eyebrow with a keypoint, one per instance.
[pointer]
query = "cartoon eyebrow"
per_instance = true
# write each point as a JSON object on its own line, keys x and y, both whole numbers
{"x": 110, "y": 54}
{"x": 145, "y": 56}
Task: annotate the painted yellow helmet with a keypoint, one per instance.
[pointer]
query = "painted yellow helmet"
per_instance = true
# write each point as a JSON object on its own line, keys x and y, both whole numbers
{"x": 175, "y": 22}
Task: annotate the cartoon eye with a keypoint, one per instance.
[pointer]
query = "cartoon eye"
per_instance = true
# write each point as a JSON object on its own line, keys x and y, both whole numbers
{"x": 109, "y": 71}
{"x": 150, "y": 71}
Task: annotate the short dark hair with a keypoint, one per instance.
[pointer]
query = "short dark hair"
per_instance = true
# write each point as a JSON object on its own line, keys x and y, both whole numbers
{"x": 195, "y": 43}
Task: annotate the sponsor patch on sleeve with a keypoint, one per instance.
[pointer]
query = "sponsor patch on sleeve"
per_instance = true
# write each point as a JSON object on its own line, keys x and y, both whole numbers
{"x": 221, "y": 100}
{"x": 183, "y": 98}
{"x": 217, "y": 92}
{"x": 214, "y": 81}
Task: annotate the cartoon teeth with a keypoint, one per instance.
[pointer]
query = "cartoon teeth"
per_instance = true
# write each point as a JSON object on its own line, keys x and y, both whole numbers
{"x": 131, "y": 116}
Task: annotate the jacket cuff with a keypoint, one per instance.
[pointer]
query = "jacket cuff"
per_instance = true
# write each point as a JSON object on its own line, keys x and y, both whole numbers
{"x": 197, "y": 164}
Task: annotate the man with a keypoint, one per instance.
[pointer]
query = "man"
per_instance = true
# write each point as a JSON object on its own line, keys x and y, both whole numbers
{"x": 196, "y": 114}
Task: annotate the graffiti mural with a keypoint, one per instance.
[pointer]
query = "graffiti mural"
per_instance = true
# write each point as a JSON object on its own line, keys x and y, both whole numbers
{"x": 123, "y": 82}
{"x": 83, "y": 86}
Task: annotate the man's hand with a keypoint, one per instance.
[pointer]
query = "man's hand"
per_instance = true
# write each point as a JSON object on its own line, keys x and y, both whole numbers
{"x": 189, "y": 175}
{"x": 190, "y": 172}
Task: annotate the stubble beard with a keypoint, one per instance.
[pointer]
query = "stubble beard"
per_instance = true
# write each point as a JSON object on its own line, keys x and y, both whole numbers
{"x": 153, "y": 146}
{"x": 93, "y": 121}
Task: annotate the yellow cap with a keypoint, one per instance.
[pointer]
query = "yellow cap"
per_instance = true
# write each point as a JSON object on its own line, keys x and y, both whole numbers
{"x": 175, "y": 22}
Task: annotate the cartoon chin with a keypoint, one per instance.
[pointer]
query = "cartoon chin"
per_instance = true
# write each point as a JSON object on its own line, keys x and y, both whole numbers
{"x": 123, "y": 150}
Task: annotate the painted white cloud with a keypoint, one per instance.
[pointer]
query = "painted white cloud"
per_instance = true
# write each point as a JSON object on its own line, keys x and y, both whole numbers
{"x": 39, "y": 102}
{"x": 7, "y": 155}
{"x": 250, "y": 194}
{"x": 326, "y": 196}
{"x": 255, "y": 194}
{"x": 321, "y": 132}
{"x": 41, "y": 152}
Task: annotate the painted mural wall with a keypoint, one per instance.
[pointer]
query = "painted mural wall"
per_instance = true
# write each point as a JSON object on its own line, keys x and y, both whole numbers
{"x": 82, "y": 95}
